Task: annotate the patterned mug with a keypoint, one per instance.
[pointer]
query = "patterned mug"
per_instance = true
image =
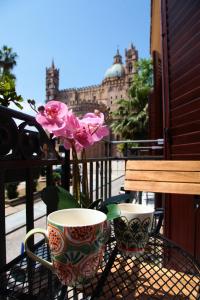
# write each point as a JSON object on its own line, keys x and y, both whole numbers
{"x": 132, "y": 228}
{"x": 76, "y": 239}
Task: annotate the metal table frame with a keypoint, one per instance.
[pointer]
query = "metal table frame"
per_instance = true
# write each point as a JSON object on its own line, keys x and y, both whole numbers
{"x": 163, "y": 271}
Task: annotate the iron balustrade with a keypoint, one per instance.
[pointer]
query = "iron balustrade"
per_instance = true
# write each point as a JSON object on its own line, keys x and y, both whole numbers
{"x": 25, "y": 149}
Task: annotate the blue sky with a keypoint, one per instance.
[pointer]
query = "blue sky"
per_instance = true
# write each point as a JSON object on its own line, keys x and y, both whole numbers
{"x": 80, "y": 35}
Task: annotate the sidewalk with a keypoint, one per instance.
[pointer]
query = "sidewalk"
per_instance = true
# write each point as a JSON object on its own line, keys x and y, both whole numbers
{"x": 18, "y": 219}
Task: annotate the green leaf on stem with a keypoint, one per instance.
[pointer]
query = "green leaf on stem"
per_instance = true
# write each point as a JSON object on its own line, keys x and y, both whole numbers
{"x": 66, "y": 200}
{"x": 113, "y": 212}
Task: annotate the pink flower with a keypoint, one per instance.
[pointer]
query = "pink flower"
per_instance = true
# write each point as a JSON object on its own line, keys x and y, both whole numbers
{"x": 94, "y": 118}
{"x": 82, "y": 139}
{"x": 100, "y": 133}
{"x": 75, "y": 133}
{"x": 59, "y": 120}
{"x": 52, "y": 116}
{"x": 94, "y": 124}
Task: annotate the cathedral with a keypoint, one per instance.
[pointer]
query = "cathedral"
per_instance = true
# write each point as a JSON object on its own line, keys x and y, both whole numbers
{"x": 114, "y": 86}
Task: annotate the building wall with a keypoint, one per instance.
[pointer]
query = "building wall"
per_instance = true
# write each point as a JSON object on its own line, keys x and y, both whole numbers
{"x": 114, "y": 86}
{"x": 102, "y": 96}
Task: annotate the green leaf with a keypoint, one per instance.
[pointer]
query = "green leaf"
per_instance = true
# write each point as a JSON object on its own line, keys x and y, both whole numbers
{"x": 65, "y": 199}
{"x": 18, "y": 105}
{"x": 113, "y": 212}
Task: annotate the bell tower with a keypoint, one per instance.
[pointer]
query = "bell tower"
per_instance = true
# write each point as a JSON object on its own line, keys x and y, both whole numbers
{"x": 131, "y": 56}
{"x": 117, "y": 58}
{"x": 52, "y": 82}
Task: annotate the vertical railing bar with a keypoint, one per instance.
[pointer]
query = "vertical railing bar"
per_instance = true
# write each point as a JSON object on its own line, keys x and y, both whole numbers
{"x": 49, "y": 175}
{"x": 2, "y": 222}
{"x": 97, "y": 179}
{"x": 65, "y": 175}
{"x": 29, "y": 201}
{"x": 91, "y": 182}
{"x": 29, "y": 222}
{"x": 106, "y": 180}
{"x": 109, "y": 178}
{"x": 101, "y": 178}
{"x": 109, "y": 170}
{"x": 49, "y": 181}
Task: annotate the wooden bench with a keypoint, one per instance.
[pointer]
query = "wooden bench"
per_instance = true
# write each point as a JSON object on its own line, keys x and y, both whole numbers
{"x": 167, "y": 176}
{"x": 164, "y": 176}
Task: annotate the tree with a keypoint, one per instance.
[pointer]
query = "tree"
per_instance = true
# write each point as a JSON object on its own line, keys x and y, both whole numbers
{"x": 130, "y": 120}
{"x": 8, "y": 93}
{"x": 7, "y": 79}
{"x": 7, "y": 61}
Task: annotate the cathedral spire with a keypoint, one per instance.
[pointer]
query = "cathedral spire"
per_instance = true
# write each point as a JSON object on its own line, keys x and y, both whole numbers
{"x": 52, "y": 82}
{"x": 131, "y": 46}
{"x": 131, "y": 56}
{"x": 117, "y": 57}
{"x": 52, "y": 64}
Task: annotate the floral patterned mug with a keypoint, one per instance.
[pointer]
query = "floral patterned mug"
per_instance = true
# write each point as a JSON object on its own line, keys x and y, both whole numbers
{"x": 76, "y": 239}
{"x": 132, "y": 228}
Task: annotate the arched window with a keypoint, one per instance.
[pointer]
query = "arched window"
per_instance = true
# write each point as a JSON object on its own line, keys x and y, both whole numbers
{"x": 130, "y": 68}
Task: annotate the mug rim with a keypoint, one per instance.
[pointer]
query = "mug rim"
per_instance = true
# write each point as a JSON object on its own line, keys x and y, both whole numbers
{"x": 147, "y": 209}
{"x": 102, "y": 217}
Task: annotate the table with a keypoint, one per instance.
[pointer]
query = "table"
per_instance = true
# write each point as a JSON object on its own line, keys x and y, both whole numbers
{"x": 163, "y": 271}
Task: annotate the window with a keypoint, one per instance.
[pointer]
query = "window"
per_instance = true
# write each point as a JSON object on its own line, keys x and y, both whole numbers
{"x": 130, "y": 68}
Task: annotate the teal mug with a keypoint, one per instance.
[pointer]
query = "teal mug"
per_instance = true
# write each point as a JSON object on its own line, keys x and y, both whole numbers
{"x": 76, "y": 239}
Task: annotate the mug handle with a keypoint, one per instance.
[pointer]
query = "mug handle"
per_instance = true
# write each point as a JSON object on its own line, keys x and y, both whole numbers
{"x": 44, "y": 262}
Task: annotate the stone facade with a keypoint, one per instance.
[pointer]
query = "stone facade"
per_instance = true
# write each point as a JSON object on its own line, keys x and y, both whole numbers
{"x": 114, "y": 86}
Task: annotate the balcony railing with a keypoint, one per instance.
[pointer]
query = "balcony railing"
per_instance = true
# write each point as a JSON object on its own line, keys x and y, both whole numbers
{"x": 25, "y": 149}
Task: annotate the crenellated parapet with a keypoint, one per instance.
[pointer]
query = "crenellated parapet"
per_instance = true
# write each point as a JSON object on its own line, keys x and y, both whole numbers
{"x": 84, "y": 88}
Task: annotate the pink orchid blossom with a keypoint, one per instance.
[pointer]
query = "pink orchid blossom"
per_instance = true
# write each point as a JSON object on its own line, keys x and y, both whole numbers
{"x": 74, "y": 133}
{"x": 82, "y": 133}
{"x": 52, "y": 116}
{"x": 100, "y": 133}
{"x": 94, "y": 124}
{"x": 94, "y": 118}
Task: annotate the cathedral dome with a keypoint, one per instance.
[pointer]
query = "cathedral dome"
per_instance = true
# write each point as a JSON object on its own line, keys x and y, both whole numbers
{"x": 116, "y": 70}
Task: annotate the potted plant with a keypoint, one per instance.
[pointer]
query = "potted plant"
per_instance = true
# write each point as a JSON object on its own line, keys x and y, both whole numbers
{"x": 76, "y": 134}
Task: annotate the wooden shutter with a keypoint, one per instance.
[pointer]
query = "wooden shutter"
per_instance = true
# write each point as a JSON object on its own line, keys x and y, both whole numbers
{"x": 181, "y": 91}
{"x": 155, "y": 100}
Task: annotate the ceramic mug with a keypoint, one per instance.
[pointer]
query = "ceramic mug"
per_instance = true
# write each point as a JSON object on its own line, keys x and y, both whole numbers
{"x": 132, "y": 228}
{"x": 76, "y": 239}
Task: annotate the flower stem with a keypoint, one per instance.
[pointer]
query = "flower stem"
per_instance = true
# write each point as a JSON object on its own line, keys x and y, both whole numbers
{"x": 85, "y": 189}
{"x": 76, "y": 176}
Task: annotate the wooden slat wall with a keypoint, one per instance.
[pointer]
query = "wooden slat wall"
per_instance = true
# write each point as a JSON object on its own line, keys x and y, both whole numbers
{"x": 183, "y": 27}
{"x": 155, "y": 100}
{"x": 181, "y": 86}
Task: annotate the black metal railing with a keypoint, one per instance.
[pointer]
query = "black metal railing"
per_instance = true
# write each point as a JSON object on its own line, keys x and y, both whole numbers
{"x": 25, "y": 149}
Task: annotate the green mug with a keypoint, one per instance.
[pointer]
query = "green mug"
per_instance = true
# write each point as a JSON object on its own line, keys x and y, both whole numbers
{"x": 76, "y": 238}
